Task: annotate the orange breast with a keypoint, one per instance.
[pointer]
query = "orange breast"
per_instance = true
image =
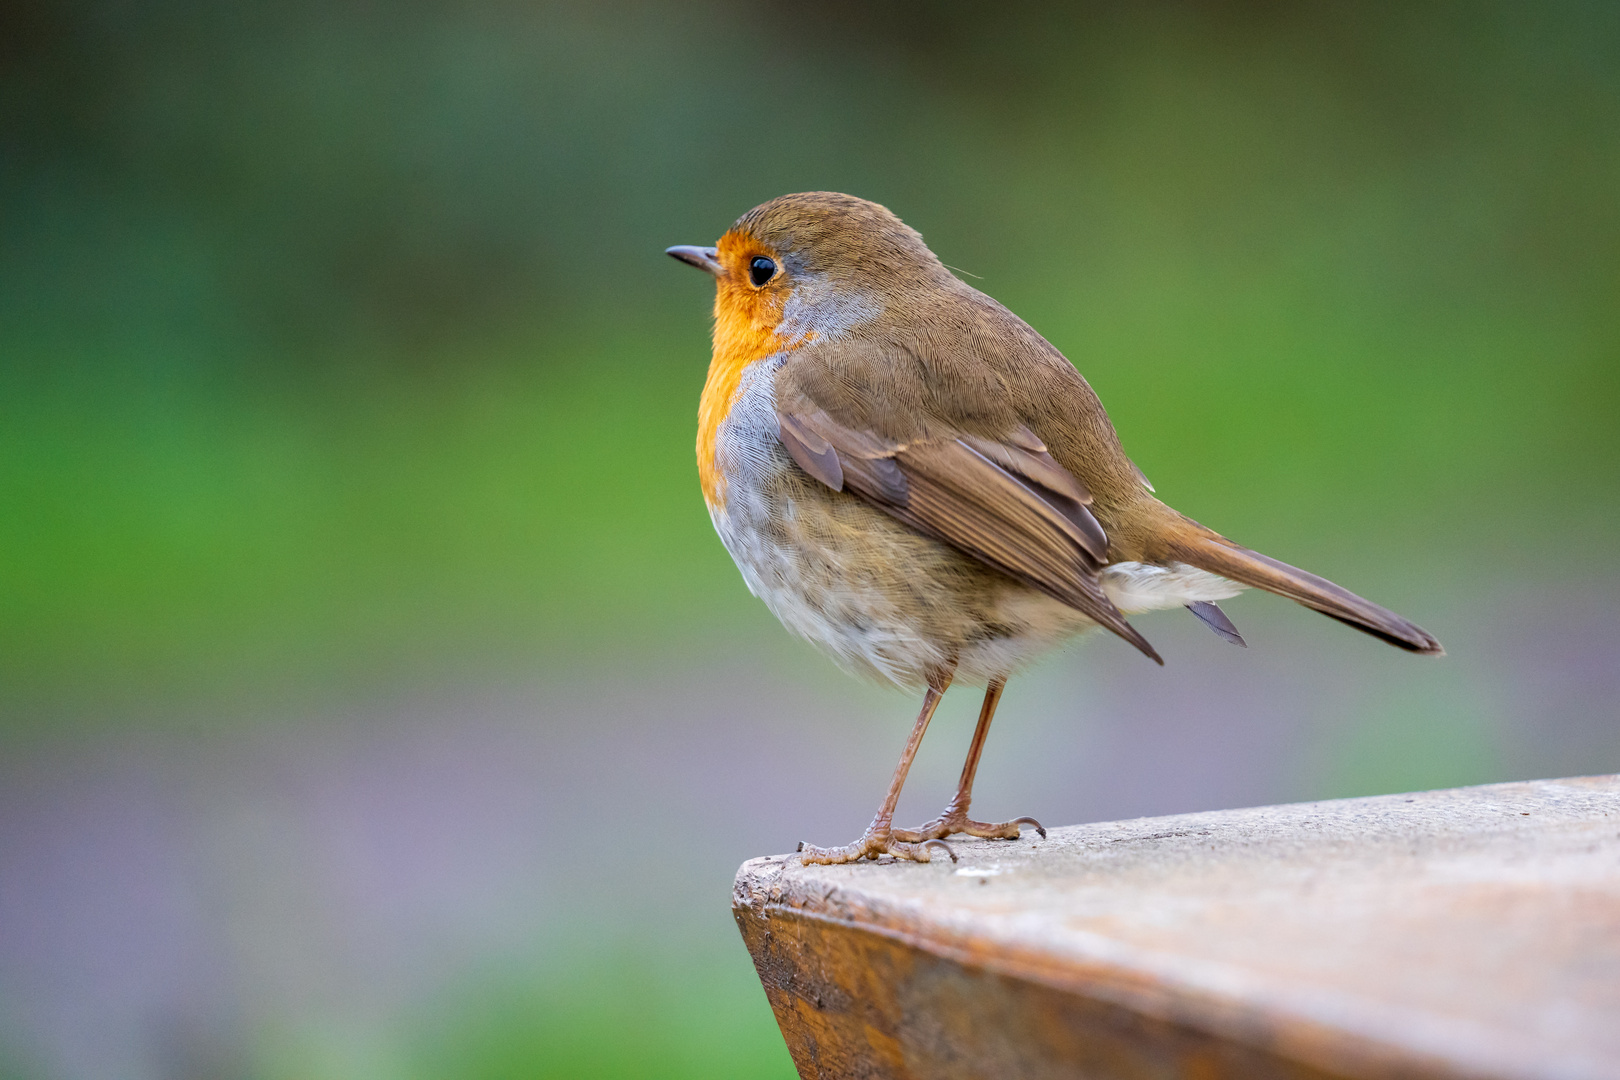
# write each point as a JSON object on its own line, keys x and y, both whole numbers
{"x": 744, "y": 332}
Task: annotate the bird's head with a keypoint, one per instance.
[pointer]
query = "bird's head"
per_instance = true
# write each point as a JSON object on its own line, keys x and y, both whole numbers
{"x": 813, "y": 265}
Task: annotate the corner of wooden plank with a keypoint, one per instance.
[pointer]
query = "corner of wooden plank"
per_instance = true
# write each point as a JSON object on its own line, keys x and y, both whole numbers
{"x": 1473, "y": 932}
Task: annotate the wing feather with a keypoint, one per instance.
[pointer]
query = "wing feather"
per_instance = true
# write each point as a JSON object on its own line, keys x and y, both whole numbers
{"x": 1005, "y": 502}
{"x": 814, "y": 454}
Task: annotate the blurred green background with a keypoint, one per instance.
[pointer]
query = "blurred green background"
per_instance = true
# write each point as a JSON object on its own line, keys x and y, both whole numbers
{"x": 346, "y": 418}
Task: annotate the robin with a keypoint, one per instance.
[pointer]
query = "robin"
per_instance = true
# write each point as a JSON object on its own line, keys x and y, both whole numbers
{"x": 913, "y": 479}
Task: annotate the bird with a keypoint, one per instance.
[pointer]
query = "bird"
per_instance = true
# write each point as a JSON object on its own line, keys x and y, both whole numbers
{"x": 914, "y": 480}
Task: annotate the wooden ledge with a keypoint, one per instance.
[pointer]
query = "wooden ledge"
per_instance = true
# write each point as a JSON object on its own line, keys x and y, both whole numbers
{"x": 1465, "y": 933}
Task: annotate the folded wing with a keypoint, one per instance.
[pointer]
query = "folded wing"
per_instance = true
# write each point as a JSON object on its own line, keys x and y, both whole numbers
{"x": 1004, "y": 501}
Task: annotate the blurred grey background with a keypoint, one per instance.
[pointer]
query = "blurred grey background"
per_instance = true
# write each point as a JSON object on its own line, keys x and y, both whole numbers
{"x": 375, "y": 699}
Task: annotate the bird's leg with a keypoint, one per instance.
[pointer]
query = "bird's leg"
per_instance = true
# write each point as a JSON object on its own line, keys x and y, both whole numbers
{"x": 954, "y": 819}
{"x": 879, "y": 838}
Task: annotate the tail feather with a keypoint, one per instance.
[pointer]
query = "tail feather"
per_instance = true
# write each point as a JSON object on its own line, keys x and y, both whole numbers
{"x": 1209, "y": 551}
{"x": 1210, "y": 614}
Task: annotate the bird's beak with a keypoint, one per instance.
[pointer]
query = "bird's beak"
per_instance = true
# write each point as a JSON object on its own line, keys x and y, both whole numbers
{"x": 701, "y": 257}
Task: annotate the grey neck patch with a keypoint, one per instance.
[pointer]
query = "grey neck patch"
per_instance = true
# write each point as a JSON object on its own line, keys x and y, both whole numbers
{"x": 829, "y": 312}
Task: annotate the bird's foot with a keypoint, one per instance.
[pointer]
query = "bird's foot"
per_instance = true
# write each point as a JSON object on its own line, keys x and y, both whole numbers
{"x": 874, "y": 844}
{"x": 955, "y": 820}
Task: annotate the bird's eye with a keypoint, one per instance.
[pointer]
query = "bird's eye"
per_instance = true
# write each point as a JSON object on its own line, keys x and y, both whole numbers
{"x": 761, "y": 270}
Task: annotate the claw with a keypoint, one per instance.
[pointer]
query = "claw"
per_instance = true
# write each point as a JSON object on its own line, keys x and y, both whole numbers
{"x": 942, "y": 845}
{"x": 1031, "y": 821}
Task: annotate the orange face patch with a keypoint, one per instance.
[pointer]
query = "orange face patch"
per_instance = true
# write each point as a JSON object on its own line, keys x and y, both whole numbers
{"x": 745, "y": 322}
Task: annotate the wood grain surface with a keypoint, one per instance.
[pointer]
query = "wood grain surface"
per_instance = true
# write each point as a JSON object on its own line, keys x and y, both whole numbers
{"x": 1473, "y": 932}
